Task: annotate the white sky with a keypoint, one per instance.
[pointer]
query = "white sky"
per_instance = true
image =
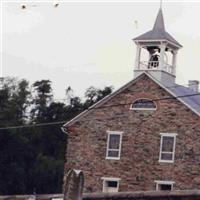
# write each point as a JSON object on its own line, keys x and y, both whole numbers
{"x": 84, "y": 44}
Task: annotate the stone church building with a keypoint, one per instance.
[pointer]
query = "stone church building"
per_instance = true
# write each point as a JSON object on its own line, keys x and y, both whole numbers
{"x": 145, "y": 135}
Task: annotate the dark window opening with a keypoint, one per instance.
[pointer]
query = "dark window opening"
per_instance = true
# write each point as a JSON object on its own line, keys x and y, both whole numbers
{"x": 112, "y": 183}
{"x": 144, "y": 104}
{"x": 165, "y": 187}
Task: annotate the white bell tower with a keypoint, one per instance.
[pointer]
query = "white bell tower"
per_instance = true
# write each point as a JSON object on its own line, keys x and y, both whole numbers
{"x": 157, "y": 53}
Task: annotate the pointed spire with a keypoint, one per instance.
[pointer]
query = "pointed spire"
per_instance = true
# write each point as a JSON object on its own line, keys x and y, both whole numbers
{"x": 158, "y": 32}
{"x": 161, "y": 2}
{"x": 159, "y": 23}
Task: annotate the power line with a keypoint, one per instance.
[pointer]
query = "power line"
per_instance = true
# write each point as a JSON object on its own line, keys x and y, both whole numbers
{"x": 158, "y": 99}
{"x": 114, "y": 105}
{"x": 33, "y": 125}
{"x": 151, "y": 90}
{"x": 93, "y": 108}
{"x": 168, "y": 87}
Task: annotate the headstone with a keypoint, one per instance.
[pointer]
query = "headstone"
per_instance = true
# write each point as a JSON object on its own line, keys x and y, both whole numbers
{"x": 74, "y": 185}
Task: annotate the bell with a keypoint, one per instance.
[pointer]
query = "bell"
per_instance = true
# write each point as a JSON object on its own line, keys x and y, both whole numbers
{"x": 153, "y": 49}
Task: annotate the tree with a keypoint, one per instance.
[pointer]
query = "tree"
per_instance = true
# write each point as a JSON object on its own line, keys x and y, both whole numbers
{"x": 43, "y": 96}
{"x": 14, "y": 149}
{"x": 20, "y": 102}
{"x": 93, "y": 95}
{"x": 32, "y": 159}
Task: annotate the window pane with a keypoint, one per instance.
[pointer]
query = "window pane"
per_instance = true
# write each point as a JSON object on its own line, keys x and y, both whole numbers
{"x": 165, "y": 187}
{"x": 167, "y": 144}
{"x": 112, "y": 183}
{"x": 166, "y": 156}
{"x": 110, "y": 186}
{"x": 114, "y": 154}
{"x": 144, "y": 103}
{"x": 114, "y": 141}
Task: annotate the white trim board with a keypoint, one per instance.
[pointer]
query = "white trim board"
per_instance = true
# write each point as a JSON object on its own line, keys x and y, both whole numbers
{"x": 105, "y": 179}
{"x": 164, "y": 183}
{"x": 131, "y": 108}
{"x": 111, "y": 179}
{"x": 159, "y": 40}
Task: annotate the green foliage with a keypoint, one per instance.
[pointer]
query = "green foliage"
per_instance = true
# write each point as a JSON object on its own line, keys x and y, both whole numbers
{"x": 43, "y": 95}
{"x": 32, "y": 159}
{"x": 93, "y": 95}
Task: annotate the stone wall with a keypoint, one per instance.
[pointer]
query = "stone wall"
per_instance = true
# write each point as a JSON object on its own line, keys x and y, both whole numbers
{"x": 32, "y": 197}
{"x": 149, "y": 195}
{"x": 138, "y": 166}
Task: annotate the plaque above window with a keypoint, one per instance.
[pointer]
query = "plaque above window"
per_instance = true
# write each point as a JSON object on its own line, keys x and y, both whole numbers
{"x": 143, "y": 104}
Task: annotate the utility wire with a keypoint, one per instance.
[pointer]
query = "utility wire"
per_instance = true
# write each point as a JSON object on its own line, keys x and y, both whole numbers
{"x": 168, "y": 87}
{"x": 114, "y": 105}
{"x": 150, "y": 90}
{"x": 92, "y": 108}
{"x": 158, "y": 99}
{"x": 33, "y": 125}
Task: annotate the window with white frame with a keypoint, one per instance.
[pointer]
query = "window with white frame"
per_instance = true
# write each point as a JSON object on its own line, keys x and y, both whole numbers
{"x": 164, "y": 185}
{"x": 143, "y": 104}
{"x": 111, "y": 184}
{"x": 114, "y": 145}
{"x": 167, "y": 147}
{"x": 57, "y": 198}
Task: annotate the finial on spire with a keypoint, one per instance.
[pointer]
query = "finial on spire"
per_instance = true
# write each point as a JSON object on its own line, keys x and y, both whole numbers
{"x": 161, "y": 2}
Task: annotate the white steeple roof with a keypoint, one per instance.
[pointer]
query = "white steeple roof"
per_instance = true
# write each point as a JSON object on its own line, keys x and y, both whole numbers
{"x": 158, "y": 32}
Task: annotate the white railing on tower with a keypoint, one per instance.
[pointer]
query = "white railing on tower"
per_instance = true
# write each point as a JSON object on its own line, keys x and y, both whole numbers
{"x": 149, "y": 65}
{"x": 154, "y": 65}
{"x": 168, "y": 68}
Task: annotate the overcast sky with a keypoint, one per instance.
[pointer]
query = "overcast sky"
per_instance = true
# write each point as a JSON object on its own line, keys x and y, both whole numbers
{"x": 82, "y": 44}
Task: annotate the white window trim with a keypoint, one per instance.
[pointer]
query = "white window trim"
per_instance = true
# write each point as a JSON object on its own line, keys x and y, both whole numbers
{"x": 174, "y": 146}
{"x": 108, "y": 141}
{"x": 164, "y": 183}
{"x": 131, "y": 108}
{"x": 55, "y": 198}
{"x": 110, "y": 179}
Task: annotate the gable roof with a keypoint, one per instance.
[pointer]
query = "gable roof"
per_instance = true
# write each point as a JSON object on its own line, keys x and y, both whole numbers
{"x": 158, "y": 32}
{"x": 192, "y": 102}
{"x": 185, "y": 95}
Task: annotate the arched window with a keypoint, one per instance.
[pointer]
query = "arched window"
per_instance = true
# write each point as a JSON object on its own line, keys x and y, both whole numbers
{"x": 143, "y": 104}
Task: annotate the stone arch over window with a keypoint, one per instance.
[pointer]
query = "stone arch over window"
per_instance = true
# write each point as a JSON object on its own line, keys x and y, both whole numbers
{"x": 143, "y": 104}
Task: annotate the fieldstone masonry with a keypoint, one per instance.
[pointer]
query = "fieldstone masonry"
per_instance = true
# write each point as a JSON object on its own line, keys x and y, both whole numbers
{"x": 149, "y": 195}
{"x": 138, "y": 166}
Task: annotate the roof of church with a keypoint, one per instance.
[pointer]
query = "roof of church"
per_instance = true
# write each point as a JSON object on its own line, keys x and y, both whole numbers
{"x": 186, "y": 95}
{"x": 192, "y": 101}
{"x": 158, "y": 32}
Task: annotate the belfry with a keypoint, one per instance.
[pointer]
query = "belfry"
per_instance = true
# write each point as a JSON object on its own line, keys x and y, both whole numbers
{"x": 157, "y": 53}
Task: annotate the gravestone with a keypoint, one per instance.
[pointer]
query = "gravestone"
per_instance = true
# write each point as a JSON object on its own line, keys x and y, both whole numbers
{"x": 74, "y": 185}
